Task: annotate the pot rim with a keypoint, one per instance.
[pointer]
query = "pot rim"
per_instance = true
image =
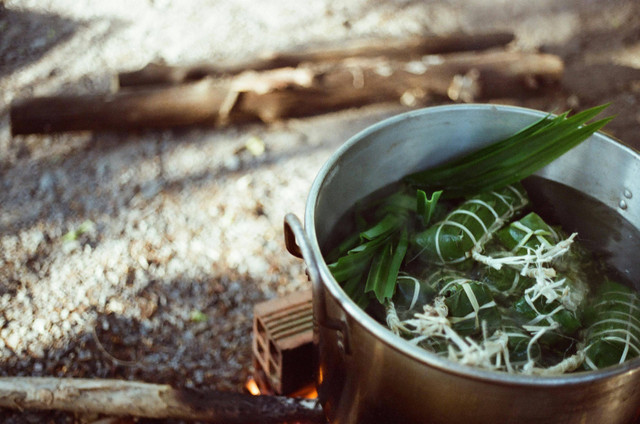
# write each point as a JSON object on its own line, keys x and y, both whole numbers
{"x": 396, "y": 342}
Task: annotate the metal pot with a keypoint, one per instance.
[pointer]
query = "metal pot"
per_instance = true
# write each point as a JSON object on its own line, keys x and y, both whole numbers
{"x": 366, "y": 374}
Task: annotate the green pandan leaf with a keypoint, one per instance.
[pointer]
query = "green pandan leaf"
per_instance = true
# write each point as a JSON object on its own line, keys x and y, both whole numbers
{"x": 470, "y": 304}
{"x": 385, "y": 267}
{"x": 379, "y": 271}
{"x": 613, "y": 335}
{"x": 355, "y": 261}
{"x": 394, "y": 268}
{"x": 427, "y": 205}
{"x": 388, "y": 225}
{"x": 354, "y": 290}
{"x": 511, "y": 159}
{"x": 469, "y": 225}
{"x": 398, "y": 203}
{"x": 530, "y": 231}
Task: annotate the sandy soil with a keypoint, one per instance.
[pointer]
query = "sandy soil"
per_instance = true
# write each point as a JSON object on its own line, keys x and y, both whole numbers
{"x": 140, "y": 255}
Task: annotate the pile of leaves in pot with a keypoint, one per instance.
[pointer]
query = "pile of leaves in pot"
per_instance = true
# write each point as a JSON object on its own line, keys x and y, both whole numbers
{"x": 456, "y": 261}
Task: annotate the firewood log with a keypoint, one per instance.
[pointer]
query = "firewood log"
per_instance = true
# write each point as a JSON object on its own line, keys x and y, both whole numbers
{"x": 404, "y": 49}
{"x": 293, "y": 92}
{"x": 146, "y": 400}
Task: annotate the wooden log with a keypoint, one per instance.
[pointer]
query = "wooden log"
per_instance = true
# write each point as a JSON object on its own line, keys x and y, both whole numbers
{"x": 207, "y": 101}
{"x": 146, "y": 400}
{"x": 293, "y": 92}
{"x": 405, "y": 49}
{"x": 489, "y": 75}
{"x": 172, "y": 106}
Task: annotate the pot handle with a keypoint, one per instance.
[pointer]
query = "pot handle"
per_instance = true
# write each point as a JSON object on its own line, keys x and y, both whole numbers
{"x": 298, "y": 245}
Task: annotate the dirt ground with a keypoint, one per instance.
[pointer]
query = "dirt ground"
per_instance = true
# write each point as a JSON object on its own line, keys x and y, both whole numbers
{"x": 140, "y": 255}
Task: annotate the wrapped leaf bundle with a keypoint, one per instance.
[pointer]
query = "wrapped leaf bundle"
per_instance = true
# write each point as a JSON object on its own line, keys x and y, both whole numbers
{"x": 506, "y": 282}
{"x": 551, "y": 317}
{"x": 522, "y": 347}
{"x": 470, "y": 303}
{"x": 530, "y": 232}
{"x": 411, "y": 295}
{"x": 613, "y": 335}
{"x": 470, "y": 225}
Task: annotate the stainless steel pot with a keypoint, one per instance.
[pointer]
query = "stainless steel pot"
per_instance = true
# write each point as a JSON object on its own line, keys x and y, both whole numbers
{"x": 366, "y": 374}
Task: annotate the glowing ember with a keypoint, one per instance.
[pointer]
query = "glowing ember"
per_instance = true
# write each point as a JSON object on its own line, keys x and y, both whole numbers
{"x": 308, "y": 392}
{"x": 252, "y": 387}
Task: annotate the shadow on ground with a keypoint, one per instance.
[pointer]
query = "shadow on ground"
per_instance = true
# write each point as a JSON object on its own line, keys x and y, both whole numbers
{"x": 28, "y": 36}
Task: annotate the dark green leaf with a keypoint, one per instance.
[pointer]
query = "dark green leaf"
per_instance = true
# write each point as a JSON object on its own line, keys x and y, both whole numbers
{"x": 348, "y": 266}
{"x": 379, "y": 270}
{"x": 347, "y": 244}
{"x": 355, "y": 262}
{"x": 511, "y": 159}
{"x": 394, "y": 267}
{"x": 383, "y": 228}
{"x": 426, "y": 206}
{"x": 385, "y": 267}
{"x": 400, "y": 202}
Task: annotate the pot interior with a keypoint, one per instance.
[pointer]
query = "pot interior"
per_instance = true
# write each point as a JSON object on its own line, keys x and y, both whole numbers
{"x": 605, "y": 172}
{"x": 593, "y": 189}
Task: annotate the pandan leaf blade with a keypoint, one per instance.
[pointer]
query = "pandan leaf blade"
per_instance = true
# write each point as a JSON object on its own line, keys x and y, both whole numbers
{"x": 394, "y": 267}
{"x": 512, "y": 159}
{"x": 386, "y": 226}
{"x": 354, "y": 291}
{"x": 385, "y": 267}
{"x": 355, "y": 261}
{"x": 347, "y": 244}
{"x": 513, "y": 172}
{"x": 547, "y": 129}
{"x": 378, "y": 271}
{"x": 347, "y": 266}
{"x": 397, "y": 203}
{"x": 427, "y": 205}
{"x": 470, "y": 162}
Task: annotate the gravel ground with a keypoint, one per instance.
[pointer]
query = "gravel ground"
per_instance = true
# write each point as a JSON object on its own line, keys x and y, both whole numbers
{"x": 140, "y": 255}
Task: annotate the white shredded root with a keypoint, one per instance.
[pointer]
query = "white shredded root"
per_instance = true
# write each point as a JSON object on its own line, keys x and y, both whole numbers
{"x": 493, "y": 353}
